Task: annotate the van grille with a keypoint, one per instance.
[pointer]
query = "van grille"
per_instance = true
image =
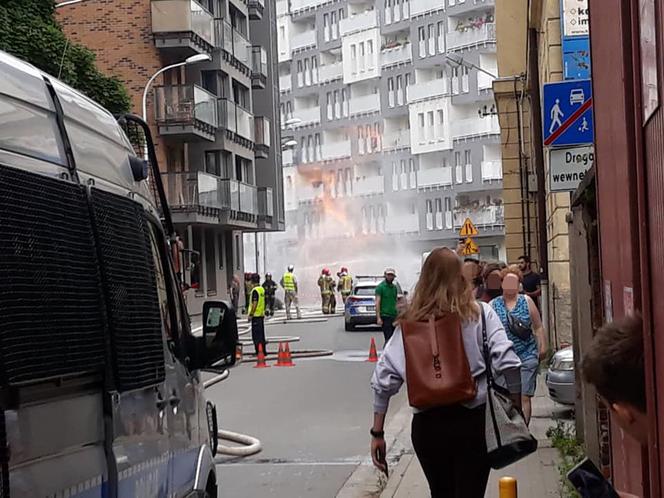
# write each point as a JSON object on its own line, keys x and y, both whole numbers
{"x": 128, "y": 277}
{"x": 50, "y": 314}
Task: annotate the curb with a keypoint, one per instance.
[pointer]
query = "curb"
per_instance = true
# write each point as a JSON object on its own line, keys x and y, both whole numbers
{"x": 366, "y": 481}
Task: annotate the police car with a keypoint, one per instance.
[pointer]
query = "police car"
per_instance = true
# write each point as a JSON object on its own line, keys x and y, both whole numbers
{"x": 360, "y": 308}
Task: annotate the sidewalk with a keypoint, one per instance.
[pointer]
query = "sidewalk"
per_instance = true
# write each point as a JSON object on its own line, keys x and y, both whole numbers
{"x": 537, "y": 475}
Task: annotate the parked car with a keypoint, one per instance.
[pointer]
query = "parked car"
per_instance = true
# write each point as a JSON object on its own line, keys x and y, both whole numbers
{"x": 560, "y": 378}
{"x": 360, "y": 306}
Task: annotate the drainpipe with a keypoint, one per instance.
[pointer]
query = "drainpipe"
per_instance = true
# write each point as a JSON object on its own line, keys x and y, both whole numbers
{"x": 538, "y": 147}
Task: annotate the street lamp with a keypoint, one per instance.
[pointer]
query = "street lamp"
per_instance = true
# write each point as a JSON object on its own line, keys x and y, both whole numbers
{"x": 189, "y": 60}
{"x": 462, "y": 62}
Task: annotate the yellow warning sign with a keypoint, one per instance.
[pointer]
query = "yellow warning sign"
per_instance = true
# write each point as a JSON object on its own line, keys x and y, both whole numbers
{"x": 469, "y": 247}
{"x": 468, "y": 229}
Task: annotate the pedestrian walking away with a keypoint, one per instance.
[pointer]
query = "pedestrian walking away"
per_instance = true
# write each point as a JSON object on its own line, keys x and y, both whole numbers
{"x": 523, "y": 324}
{"x": 256, "y": 314}
{"x": 270, "y": 287}
{"x": 386, "y": 303}
{"x": 289, "y": 284}
{"x": 531, "y": 280}
{"x": 448, "y": 426}
{"x": 326, "y": 284}
{"x": 345, "y": 286}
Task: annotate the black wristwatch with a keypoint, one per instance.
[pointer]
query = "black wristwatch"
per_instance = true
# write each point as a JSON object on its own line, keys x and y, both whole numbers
{"x": 377, "y": 434}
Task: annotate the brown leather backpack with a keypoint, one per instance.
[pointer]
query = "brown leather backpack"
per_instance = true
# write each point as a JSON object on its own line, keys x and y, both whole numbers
{"x": 437, "y": 369}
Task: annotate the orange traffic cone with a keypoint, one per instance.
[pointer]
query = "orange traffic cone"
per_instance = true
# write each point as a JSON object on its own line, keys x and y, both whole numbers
{"x": 281, "y": 357}
{"x": 288, "y": 359}
{"x": 261, "y": 363}
{"x": 373, "y": 354}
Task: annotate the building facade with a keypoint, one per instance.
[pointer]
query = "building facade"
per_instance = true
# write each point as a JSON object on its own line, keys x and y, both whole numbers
{"x": 215, "y": 123}
{"x": 389, "y": 111}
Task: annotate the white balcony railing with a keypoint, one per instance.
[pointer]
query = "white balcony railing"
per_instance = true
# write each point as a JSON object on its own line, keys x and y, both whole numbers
{"x": 434, "y": 177}
{"x": 287, "y": 157}
{"x": 397, "y": 55}
{"x": 358, "y": 22}
{"x": 365, "y": 104}
{"x": 371, "y": 185}
{"x": 484, "y": 216}
{"x": 309, "y": 193}
{"x": 298, "y": 5}
{"x": 471, "y": 36}
{"x": 408, "y": 223}
{"x": 330, "y": 72}
{"x": 419, "y": 7}
{"x": 427, "y": 89}
{"x": 399, "y": 139}
{"x": 470, "y": 127}
{"x": 310, "y": 115}
{"x": 336, "y": 150}
{"x": 492, "y": 170}
{"x": 304, "y": 40}
{"x": 285, "y": 83}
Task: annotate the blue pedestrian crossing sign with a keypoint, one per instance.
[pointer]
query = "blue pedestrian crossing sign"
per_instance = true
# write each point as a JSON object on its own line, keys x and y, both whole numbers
{"x": 568, "y": 113}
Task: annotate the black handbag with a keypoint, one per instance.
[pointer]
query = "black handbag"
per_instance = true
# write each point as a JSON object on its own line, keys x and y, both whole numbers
{"x": 518, "y": 327}
{"x": 508, "y": 439}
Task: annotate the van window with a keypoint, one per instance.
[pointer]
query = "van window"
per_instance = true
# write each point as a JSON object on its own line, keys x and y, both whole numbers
{"x": 162, "y": 289}
{"x": 30, "y": 130}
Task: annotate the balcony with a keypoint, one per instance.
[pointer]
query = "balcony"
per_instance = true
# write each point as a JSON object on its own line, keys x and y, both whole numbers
{"x": 419, "y": 7}
{"x": 358, "y": 22}
{"x": 303, "y": 40}
{"x": 307, "y": 116}
{"x": 396, "y": 140}
{"x": 262, "y": 137}
{"x": 256, "y": 9}
{"x": 492, "y": 170}
{"x": 475, "y": 127}
{"x": 234, "y": 43}
{"x": 236, "y": 120}
{"x": 182, "y": 27}
{"x": 372, "y": 185}
{"x": 265, "y": 202}
{"x": 434, "y": 177}
{"x": 427, "y": 90}
{"x": 258, "y": 68}
{"x": 298, "y": 6}
{"x": 366, "y": 104}
{"x": 471, "y": 36}
{"x": 336, "y": 150}
{"x": 285, "y": 83}
{"x": 402, "y": 224}
{"x": 287, "y": 157}
{"x": 330, "y": 72}
{"x": 393, "y": 56}
{"x": 310, "y": 194}
{"x": 483, "y": 216}
{"x": 186, "y": 112}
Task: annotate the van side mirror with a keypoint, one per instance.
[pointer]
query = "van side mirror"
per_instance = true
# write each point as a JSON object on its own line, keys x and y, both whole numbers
{"x": 216, "y": 349}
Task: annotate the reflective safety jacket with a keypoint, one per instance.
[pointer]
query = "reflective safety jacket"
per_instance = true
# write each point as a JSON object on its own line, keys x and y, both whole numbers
{"x": 260, "y": 304}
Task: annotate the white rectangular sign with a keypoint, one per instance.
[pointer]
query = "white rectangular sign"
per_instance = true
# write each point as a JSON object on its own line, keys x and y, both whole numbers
{"x": 575, "y": 18}
{"x": 568, "y": 167}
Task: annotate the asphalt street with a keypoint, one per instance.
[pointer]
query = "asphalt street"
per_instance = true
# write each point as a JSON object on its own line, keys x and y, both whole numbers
{"x": 312, "y": 419}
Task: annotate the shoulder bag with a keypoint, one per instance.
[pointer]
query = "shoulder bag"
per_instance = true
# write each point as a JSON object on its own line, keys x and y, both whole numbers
{"x": 517, "y": 326}
{"x": 437, "y": 368}
{"x": 508, "y": 439}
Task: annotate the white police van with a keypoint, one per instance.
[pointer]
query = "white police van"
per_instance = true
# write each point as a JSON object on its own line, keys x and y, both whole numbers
{"x": 100, "y": 389}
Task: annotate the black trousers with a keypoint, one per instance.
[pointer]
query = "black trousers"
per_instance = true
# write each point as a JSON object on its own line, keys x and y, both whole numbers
{"x": 388, "y": 327}
{"x": 269, "y": 304}
{"x": 258, "y": 333}
{"x": 451, "y": 446}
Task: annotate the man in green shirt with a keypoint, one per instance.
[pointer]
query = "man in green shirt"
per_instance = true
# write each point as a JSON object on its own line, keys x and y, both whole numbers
{"x": 386, "y": 304}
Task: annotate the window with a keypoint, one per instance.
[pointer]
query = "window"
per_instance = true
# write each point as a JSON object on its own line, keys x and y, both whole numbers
{"x": 390, "y": 91}
{"x": 441, "y": 125}
{"x": 448, "y": 213}
{"x": 455, "y": 80}
{"x": 439, "y": 214}
{"x": 400, "y": 90}
{"x": 300, "y": 76}
{"x": 397, "y": 10}
{"x": 335, "y": 25}
{"x": 238, "y": 252}
{"x": 195, "y": 265}
{"x": 348, "y": 185}
{"x": 353, "y": 59}
{"x": 282, "y": 39}
{"x": 430, "y": 130}
{"x": 412, "y": 171}
{"x": 360, "y": 139}
{"x": 432, "y": 39}
{"x": 210, "y": 262}
{"x": 362, "y": 57}
{"x": 407, "y": 84}
{"x": 421, "y": 37}
{"x": 310, "y": 148}
{"x": 344, "y": 102}
{"x": 370, "y": 54}
{"x": 307, "y": 73}
{"x": 420, "y": 129}
{"x": 441, "y": 37}
{"x": 458, "y": 167}
{"x": 469, "y": 167}
{"x": 220, "y": 249}
{"x": 395, "y": 177}
{"x": 337, "y": 105}
{"x": 329, "y": 106}
{"x": 404, "y": 174}
{"x": 429, "y": 215}
{"x": 377, "y": 136}
{"x": 314, "y": 70}
{"x": 326, "y": 27}
{"x": 303, "y": 150}
{"x": 212, "y": 163}
{"x": 465, "y": 83}
{"x": 388, "y": 11}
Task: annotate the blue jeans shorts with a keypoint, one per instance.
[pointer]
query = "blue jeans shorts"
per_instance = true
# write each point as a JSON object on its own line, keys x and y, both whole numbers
{"x": 529, "y": 370}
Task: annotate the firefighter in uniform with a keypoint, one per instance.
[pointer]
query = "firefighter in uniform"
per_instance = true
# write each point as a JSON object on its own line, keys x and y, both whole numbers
{"x": 257, "y": 313}
{"x": 345, "y": 286}
{"x": 326, "y": 284}
{"x": 270, "y": 287}
{"x": 289, "y": 284}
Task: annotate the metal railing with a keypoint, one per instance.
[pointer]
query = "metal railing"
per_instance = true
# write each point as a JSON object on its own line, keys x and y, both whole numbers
{"x": 434, "y": 176}
{"x": 369, "y": 186}
{"x": 485, "y": 216}
{"x": 304, "y": 39}
{"x": 178, "y": 16}
{"x": 236, "y": 119}
{"x": 232, "y": 41}
{"x": 259, "y": 60}
{"x": 358, "y": 22}
{"x": 183, "y": 104}
{"x": 396, "y": 140}
{"x": 427, "y": 89}
{"x": 265, "y": 201}
{"x": 471, "y": 36}
{"x": 418, "y": 7}
{"x": 330, "y": 72}
{"x": 396, "y": 55}
{"x": 365, "y": 104}
{"x": 469, "y": 127}
{"x": 262, "y": 130}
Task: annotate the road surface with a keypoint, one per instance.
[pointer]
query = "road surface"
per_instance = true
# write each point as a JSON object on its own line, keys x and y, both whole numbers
{"x": 312, "y": 419}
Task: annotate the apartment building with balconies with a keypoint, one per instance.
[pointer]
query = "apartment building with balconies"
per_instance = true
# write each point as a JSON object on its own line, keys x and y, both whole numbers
{"x": 390, "y": 106}
{"x": 215, "y": 123}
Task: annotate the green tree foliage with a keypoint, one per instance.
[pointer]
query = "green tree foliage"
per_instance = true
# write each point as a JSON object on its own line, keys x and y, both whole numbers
{"x": 28, "y": 30}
